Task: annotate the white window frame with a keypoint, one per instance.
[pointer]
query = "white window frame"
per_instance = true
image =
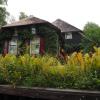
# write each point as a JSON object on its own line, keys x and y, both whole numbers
{"x": 13, "y": 45}
{"x": 33, "y": 43}
{"x": 33, "y": 30}
{"x": 68, "y": 36}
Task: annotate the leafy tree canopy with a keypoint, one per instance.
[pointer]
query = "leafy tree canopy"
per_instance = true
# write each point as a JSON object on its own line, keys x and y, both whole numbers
{"x": 2, "y": 2}
{"x": 3, "y": 12}
{"x": 3, "y": 15}
{"x": 92, "y": 36}
{"x": 22, "y": 15}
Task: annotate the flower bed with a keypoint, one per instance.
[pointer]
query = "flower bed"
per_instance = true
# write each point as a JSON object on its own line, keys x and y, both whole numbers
{"x": 80, "y": 72}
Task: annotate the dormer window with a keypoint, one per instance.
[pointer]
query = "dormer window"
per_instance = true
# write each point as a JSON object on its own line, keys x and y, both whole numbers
{"x": 68, "y": 36}
{"x": 33, "y": 30}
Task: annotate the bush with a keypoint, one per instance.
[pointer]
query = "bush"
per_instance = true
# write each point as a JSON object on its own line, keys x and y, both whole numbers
{"x": 82, "y": 71}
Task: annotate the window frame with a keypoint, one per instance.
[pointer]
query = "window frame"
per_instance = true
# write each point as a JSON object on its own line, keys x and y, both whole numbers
{"x": 33, "y": 30}
{"x": 14, "y": 46}
{"x": 34, "y": 42}
{"x": 68, "y": 36}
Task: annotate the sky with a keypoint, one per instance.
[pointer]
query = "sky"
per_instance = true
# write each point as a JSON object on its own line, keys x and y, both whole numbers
{"x": 75, "y": 12}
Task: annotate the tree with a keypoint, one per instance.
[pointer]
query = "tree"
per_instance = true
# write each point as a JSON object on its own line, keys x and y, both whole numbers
{"x": 22, "y": 15}
{"x": 2, "y": 2}
{"x": 3, "y": 12}
{"x": 3, "y": 16}
{"x": 92, "y": 36}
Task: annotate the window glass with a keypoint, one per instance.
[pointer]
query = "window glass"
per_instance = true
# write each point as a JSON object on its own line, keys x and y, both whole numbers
{"x": 13, "y": 46}
{"x": 33, "y": 31}
{"x": 68, "y": 36}
{"x": 35, "y": 46}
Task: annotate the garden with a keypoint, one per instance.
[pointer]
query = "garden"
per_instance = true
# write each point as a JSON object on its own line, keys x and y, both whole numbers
{"x": 81, "y": 71}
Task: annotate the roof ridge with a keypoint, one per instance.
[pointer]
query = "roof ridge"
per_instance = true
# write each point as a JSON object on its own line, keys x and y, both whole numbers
{"x": 26, "y": 21}
{"x": 59, "y": 21}
{"x": 67, "y": 23}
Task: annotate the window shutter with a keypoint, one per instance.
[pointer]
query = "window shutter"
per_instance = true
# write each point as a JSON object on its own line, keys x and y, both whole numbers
{"x": 5, "y": 47}
{"x": 42, "y": 46}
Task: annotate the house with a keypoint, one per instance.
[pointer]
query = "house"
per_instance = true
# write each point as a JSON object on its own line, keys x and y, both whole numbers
{"x": 71, "y": 35}
{"x": 32, "y": 35}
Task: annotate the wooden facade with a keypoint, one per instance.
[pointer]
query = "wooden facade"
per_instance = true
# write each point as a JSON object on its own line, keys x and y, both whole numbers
{"x": 74, "y": 43}
{"x": 72, "y": 36}
{"x": 32, "y": 33}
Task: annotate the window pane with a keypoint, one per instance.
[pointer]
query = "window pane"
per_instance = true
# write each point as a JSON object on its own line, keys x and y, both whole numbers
{"x": 35, "y": 49}
{"x": 13, "y": 47}
{"x": 13, "y": 43}
{"x": 33, "y": 31}
{"x": 68, "y": 36}
{"x": 35, "y": 46}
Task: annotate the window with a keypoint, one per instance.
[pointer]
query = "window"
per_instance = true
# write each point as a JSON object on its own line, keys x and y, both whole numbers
{"x": 68, "y": 36}
{"x": 33, "y": 31}
{"x": 35, "y": 46}
{"x": 13, "y": 46}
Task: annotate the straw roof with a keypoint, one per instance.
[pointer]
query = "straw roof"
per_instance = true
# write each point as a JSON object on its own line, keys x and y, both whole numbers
{"x": 65, "y": 27}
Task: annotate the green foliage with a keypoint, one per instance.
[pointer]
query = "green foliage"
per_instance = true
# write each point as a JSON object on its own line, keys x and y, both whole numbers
{"x": 24, "y": 33}
{"x": 69, "y": 48}
{"x": 3, "y": 13}
{"x": 51, "y": 44}
{"x": 47, "y": 71}
{"x": 22, "y": 15}
{"x": 3, "y": 16}
{"x": 92, "y": 36}
{"x": 3, "y": 2}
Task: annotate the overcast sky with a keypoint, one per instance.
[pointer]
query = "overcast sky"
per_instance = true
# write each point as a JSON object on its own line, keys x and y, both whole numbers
{"x": 75, "y": 12}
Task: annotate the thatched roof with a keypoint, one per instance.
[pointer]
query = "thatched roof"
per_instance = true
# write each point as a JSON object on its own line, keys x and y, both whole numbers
{"x": 26, "y": 21}
{"x": 65, "y": 27}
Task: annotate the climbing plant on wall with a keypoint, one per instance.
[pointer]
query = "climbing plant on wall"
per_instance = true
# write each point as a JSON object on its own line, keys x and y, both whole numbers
{"x": 24, "y": 35}
{"x": 6, "y": 35}
{"x": 69, "y": 48}
{"x": 51, "y": 39}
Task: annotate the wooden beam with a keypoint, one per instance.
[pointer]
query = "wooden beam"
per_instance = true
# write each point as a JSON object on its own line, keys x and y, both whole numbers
{"x": 50, "y": 93}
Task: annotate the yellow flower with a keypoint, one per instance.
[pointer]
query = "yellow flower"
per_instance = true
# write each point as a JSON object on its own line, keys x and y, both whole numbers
{"x": 80, "y": 59}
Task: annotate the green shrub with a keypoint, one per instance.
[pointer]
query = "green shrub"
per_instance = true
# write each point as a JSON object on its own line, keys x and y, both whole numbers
{"x": 80, "y": 72}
